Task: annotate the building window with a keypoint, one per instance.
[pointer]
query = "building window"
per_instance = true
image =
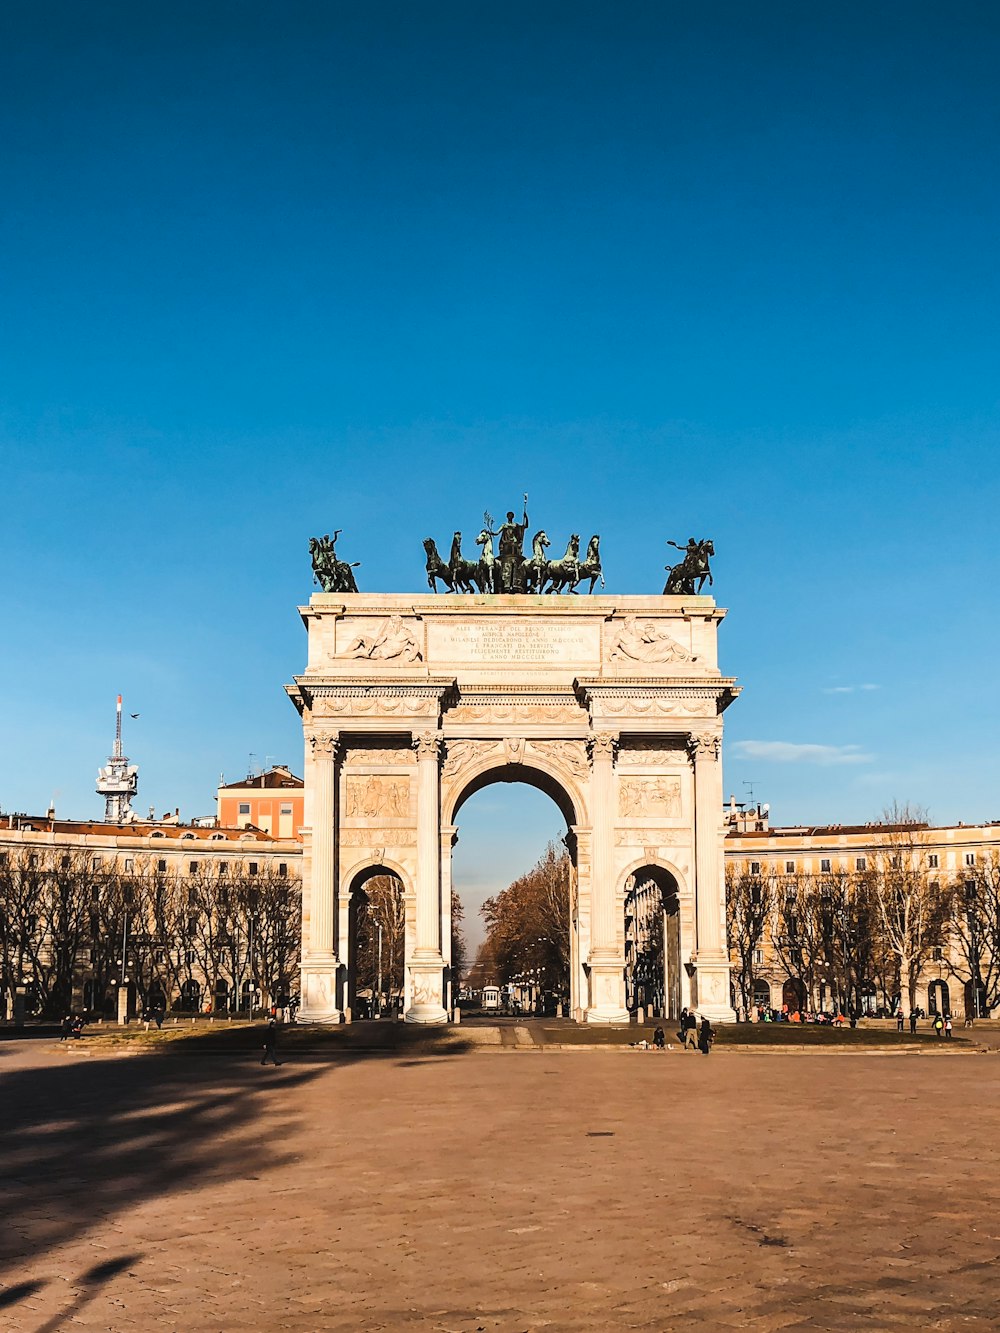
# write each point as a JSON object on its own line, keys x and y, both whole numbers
{"x": 861, "y": 863}
{"x": 896, "y": 861}
{"x": 758, "y": 956}
{"x": 754, "y": 867}
{"x": 158, "y": 957}
{"x": 223, "y": 867}
{"x": 932, "y": 860}
{"x": 286, "y": 809}
{"x": 789, "y": 867}
{"x": 938, "y": 954}
{"x": 970, "y": 858}
{"x": 192, "y": 925}
{"x": 129, "y": 863}
{"x": 64, "y": 862}
{"x": 189, "y": 956}
{"x": 96, "y": 863}
{"x": 161, "y": 867}
{"x": 244, "y": 807}
{"x": 252, "y": 868}
{"x": 824, "y": 866}
{"x": 283, "y": 870}
{"x": 192, "y": 867}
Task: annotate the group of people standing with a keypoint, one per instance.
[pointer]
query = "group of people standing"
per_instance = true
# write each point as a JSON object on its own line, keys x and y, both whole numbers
{"x": 690, "y": 1036}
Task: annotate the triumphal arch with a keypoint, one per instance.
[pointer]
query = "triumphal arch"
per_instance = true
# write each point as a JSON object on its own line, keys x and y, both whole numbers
{"x": 611, "y": 705}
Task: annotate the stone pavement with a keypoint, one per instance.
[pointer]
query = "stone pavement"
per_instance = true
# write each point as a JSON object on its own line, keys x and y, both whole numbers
{"x": 496, "y": 1191}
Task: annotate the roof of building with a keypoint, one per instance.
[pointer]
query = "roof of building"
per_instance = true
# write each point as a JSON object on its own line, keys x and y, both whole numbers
{"x": 863, "y": 830}
{"x": 278, "y": 776}
{"x": 139, "y": 828}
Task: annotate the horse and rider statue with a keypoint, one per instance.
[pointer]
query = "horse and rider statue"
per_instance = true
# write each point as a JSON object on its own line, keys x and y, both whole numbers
{"x": 506, "y": 568}
{"x": 331, "y": 574}
{"x": 688, "y": 576}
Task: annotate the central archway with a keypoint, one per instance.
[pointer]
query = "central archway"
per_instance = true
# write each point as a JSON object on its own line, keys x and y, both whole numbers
{"x": 535, "y": 958}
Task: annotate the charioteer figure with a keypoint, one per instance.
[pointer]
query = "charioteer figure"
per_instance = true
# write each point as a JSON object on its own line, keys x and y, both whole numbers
{"x": 688, "y": 576}
{"x": 512, "y": 551}
{"x": 331, "y": 574}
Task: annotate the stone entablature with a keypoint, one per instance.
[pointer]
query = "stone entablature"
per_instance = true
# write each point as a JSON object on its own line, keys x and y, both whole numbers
{"x": 611, "y": 705}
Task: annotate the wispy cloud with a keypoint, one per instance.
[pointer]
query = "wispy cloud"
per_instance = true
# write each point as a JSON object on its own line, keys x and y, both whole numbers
{"x": 787, "y": 752}
{"x": 849, "y": 689}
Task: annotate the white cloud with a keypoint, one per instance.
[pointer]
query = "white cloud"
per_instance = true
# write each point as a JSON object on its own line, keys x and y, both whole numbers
{"x": 849, "y": 689}
{"x": 786, "y": 752}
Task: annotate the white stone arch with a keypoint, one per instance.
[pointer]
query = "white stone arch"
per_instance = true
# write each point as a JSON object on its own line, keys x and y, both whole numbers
{"x": 386, "y": 864}
{"x": 486, "y": 771}
{"x": 658, "y": 862}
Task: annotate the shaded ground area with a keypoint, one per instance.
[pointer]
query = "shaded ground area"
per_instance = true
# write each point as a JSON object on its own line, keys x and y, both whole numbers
{"x": 570, "y": 1190}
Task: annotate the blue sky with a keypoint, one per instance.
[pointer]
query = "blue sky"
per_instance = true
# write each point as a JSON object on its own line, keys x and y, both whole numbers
{"x": 726, "y": 269}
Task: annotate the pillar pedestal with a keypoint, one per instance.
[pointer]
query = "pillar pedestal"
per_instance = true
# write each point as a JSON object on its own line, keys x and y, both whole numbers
{"x": 320, "y": 963}
{"x": 427, "y": 963}
{"x": 319, "y": 991}
{"x": 607, "y": 962}
{"x": 711, "y": 960}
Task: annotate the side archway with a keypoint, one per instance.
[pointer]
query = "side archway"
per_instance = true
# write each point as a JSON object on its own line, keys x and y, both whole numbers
{"x": 376, "y": 941}
{"x": 654, "y": 976}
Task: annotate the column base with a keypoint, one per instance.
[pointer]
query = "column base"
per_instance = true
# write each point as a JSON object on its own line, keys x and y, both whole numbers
{"x": 427, "y": 1004}
{"x": 711, "y": 989}
{"x": 319, "y": 992}
{"x": 607, "y": 992}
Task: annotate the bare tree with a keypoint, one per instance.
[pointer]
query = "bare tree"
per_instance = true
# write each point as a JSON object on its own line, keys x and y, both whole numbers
{"x": 750, "y": 899}
{"x": 527, "y": 926}
{"x": 850, "y": 931}
{"x": 913, "y": 910}
{"x": 975, "y": 927}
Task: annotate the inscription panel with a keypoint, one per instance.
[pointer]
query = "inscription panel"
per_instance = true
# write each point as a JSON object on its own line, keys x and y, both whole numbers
{"x": 513, "y": 643}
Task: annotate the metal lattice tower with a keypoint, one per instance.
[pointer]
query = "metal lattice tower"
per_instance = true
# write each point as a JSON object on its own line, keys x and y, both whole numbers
{"x": 118, "y": 780}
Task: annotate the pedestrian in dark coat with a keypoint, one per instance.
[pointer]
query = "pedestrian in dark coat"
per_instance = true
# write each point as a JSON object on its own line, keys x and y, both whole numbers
{"x": 271, "y": 1043}
{"x": 705, "y": 1037}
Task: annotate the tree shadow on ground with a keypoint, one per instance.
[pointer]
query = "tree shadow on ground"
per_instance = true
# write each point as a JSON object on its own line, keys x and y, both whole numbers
{"x": 95, "y": 1132}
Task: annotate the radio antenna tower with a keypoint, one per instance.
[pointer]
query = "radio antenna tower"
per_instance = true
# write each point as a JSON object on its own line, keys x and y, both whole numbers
{"x": 118, "y": 780}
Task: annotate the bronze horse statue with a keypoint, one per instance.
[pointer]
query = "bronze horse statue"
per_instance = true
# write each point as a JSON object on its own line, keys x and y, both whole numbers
{"x": 464, "y": 573}
{"x": 436, "y": 568}
{"x": 565, "y": 573}
{"x": 687, "y": 578}
{"x": 590, "y": 566}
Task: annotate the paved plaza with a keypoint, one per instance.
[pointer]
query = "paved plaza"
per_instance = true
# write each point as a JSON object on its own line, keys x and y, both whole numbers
{"x": 497, "y": 1190}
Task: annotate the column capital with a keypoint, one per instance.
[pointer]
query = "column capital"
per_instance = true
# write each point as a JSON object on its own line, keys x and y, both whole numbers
{"x": 428, "y": 745}
{"x": 603, "y": 745}
{"x": 324, "y": 744}
{"x": 704, "y": 747}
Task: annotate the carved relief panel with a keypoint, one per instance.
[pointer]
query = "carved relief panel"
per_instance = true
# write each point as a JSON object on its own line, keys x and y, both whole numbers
{"x": 376, "y": 797}
{"x": 649, "y": 797}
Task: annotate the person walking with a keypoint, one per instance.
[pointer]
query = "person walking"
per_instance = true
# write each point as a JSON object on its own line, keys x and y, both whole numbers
{"x": 947, "y": 1027}
{"x": 271, "y": 1043}
{"x": 705, "y": 1037}
{"x": 913, "y": 1022}
{"x": 899, "y": 1020}
{"x": 691, "y": 1031}
{"x": 938, "y": 1025}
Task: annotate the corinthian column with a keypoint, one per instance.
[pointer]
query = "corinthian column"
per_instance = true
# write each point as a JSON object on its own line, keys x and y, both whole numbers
{"x": 607, "y": 960}
{"x": 319, "y": 956}
{"x": 712, "y": 955}
{"x": 427, "y": 963}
